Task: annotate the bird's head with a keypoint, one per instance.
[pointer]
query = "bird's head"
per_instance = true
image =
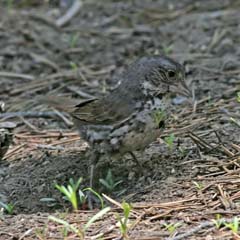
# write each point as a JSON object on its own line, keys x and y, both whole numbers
{"x": 162, "y": 75}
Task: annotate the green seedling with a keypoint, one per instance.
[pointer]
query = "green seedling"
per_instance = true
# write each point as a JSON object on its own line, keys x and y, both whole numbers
{"x": 9, "y": 5}
{"x": 169, "y": 141}
{"x": 218, "y": 221}
{"x": 82, "y": 197}
{"x": 96, "y": 194}
{"x": 167, "y": 49}
{"x": 109, "y": 182}
{"x": 234, "y": 225}
{"x": 70, "y": 192}
{"x": 75, "y": 195}
{"x": 74, "y": 40}
{"x": 235, "y": 121}
{"x": 73, "y": 66}
{"x": 123, "y": 222}
{"x": 171, "y": 227}
{"x": 41, "y": 233}
{"x": 199, "y": 186}
{"x": 9, "y": 207}
{"x": 210, "y": 100}
{"x": 80, "y": 232}
{"x": 183, "y": 152}
{"x": 238, "y": 97}
{"x": 159, "y": 117}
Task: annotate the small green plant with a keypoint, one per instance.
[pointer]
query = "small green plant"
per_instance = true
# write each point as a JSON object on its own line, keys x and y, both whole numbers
{"x": 238, "y": 97}
{"x": 183, "y": 152}
{"x": 171, "y": 227}
{"x": 82, "y": 197}
{"x": 234, "y": 225}
{"x": 218, "y": 221}
{"x": 159, "y": 117}
{"x": 96, "y": 194}
{"x": 8, "y": 207}
{"x": 199, "y": 186}
{"x": 167, "y": 49}
{"x": 73, "y": 66}
{"x": 235, "y": 121}
{"x": 41, "y": 233}
{"x": 123, "y": 222}
{"x": 75, "y": 195}
{"x": 80, "y": 232}
{"x": 169, "y": 141}
{"x": 9, "y": 5}
{"x": 70, "y": 191}
{"x": 74, "y": 40}
{"x": 109, "y": 182}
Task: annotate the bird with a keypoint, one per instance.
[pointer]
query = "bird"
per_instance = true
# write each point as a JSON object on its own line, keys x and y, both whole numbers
{"x": 132, "y": 115}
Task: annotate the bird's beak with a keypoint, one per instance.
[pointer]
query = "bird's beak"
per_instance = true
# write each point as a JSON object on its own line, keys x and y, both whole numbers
{"x": 181, "y": 89}
{"x": 184, "y": 89}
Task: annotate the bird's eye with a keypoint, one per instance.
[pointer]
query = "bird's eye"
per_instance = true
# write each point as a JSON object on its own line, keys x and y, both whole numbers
{"x": 171, "y": 74}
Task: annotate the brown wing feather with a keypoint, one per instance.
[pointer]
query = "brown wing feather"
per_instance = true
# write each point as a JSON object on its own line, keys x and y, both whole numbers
{"x": 109, "y": 110}
{"x": 96, "y": 112}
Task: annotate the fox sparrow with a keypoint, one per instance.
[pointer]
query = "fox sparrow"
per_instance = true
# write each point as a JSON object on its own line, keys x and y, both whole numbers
{"x": 131, "y": 116}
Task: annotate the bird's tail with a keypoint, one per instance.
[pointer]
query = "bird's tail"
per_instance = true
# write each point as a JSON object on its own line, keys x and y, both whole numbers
{"x": 60, "y": 103}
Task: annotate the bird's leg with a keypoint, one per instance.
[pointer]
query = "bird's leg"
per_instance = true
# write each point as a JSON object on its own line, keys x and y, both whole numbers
{"x": 91, "y": 175}
{"x": 94, "y": 156}
{"x": 136, "y": 161}
{"x": 89, "y": 194}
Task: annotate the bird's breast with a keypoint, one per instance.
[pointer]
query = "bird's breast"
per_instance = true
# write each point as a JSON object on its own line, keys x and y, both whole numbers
{"x": 135, "y": 132}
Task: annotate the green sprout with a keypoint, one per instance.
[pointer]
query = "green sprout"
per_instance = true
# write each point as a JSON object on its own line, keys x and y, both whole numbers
{"x": 169, "y": 141}
{"x": 183, "y": 152}
{"x": 218, "y": 221}
{"x": 171, "y": 227}
{"x": 75, "y": 195}
{"x": 8, "y": 207}
{"x": 80, "y": 232}
{"x": 73, "y": 40}
{"x": 159, "y": 116}
{"x": 199, "y": 186}
{"x": 70, "y": 191}
{"x": 73, "y": 66}
{"x": 167, "y": 49}
{"x": 235, "y": 121}
{"x": 123, "y": 223}
{"x": 9, "y": 5}
{"x": 234, "y": 225}
{"x": 96, "y": 194}
{"x": 109, "y": 182}
{"x": 41, "y": 233}
{"x": 238, "y": 97}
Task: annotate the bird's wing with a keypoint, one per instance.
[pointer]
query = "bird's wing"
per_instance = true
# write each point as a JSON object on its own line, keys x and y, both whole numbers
{"x": 91, "y": 111}
{"x": 60, "y": 103}
{"x": 100, "y": 112}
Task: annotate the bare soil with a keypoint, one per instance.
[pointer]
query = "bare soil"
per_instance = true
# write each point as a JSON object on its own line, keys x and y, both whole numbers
{"x": 189, "y": 183}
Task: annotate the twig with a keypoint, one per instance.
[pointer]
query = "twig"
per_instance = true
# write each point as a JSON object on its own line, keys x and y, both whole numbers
{"x": 28, "y": 114}
{"x": 44, "y": 60}
{"x": 72, "y": 11}
{"x": 199, "y": 141}
{"x": 49, "y": 147}
{"x": 200, "y": 227}
{"x": 80, "y": 92}
{"x": 16, "y": 75}
{"x": 66, "y": 121}
{"x": 32, "y": 127}
{"x": 42, "y": 19}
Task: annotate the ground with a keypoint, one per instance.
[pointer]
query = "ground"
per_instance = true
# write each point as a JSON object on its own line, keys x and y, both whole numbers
{"x": 185, "y": 184}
